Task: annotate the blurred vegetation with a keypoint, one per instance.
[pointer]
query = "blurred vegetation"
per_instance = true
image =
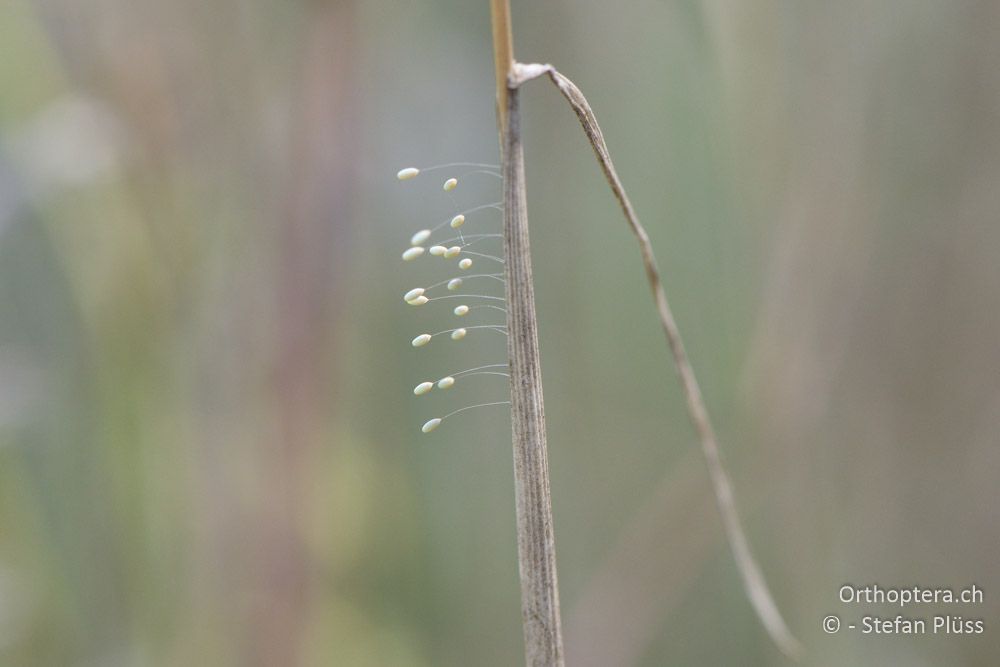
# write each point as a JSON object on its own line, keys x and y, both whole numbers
{"x": 209, "y": 449}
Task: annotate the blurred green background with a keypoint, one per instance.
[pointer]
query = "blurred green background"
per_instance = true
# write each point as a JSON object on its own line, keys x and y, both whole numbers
{"x": 209, "y": 449}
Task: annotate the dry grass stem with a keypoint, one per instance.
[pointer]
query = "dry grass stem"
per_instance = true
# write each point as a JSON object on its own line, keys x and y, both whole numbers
{"x": 753, "y": 579}
{"x": 535, "y": 539}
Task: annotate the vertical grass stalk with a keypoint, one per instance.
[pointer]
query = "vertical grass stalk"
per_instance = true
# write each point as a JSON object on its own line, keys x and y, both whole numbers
{"x": 535, "y": 539}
